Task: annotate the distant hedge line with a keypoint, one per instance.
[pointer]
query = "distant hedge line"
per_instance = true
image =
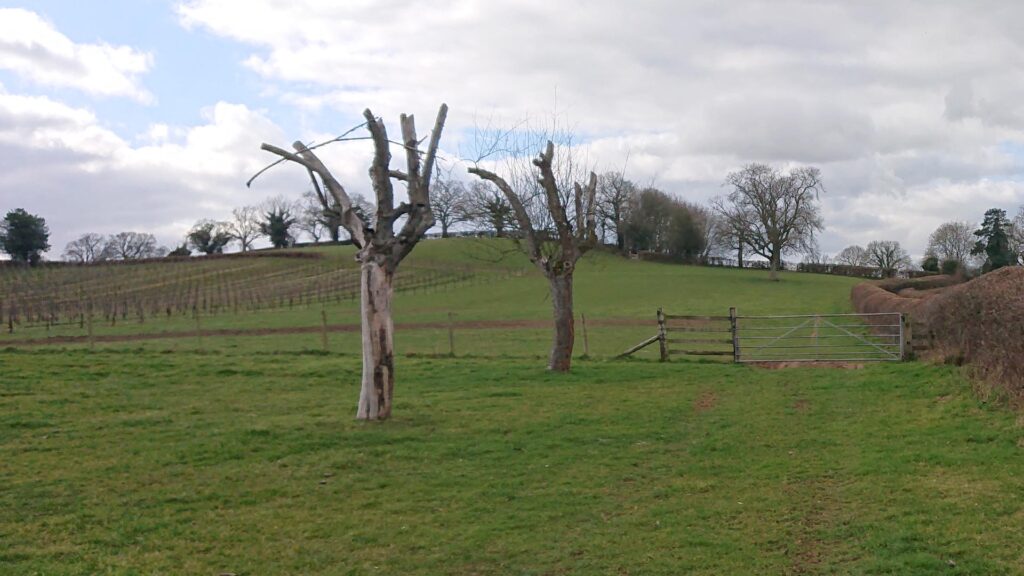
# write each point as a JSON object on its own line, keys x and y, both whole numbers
{"x": 978, "y": 323}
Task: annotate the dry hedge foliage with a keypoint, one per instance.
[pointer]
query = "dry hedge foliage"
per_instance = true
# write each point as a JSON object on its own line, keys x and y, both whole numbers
{"x": 978, "y": 323}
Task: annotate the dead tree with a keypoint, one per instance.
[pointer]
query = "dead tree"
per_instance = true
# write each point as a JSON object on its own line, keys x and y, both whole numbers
{"x": 380, "y": 248}
{"x": 555, "y": 251}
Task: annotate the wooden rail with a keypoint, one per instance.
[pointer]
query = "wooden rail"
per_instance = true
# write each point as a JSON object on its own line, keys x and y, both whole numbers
{"x": 786, "y": 338}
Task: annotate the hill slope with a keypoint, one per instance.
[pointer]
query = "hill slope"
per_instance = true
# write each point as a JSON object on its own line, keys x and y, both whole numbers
{"x": 500, "y": 303}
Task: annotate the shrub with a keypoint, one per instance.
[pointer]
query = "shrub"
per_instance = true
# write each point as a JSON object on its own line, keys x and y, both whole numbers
{"x": 977, "y": 323}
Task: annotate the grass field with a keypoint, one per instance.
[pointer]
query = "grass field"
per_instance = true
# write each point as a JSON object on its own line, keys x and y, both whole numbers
{"x": 153, "y": 457}
{"x": 607, "y": 287}
{"x": 147, "y": 463}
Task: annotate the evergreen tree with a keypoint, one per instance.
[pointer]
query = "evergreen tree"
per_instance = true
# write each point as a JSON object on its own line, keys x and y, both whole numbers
{"x": 277, "y": 227}
{"x": 24, "y": 236}
{"x": 994, "y": 241}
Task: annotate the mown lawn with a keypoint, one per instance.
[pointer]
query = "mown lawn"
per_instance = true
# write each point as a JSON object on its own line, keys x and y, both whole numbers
{"x": 140, "y": 462}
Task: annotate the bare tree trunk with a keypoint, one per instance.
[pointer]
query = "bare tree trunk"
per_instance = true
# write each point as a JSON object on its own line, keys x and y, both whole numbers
{"x": 565, "y": 330}
{"x": 378, "y": 382}
{"x": 774, "y": 265}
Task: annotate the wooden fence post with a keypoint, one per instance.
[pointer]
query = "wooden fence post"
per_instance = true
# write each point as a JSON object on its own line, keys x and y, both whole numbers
{"x": 586, "y": 340}
{"x": 88, "y": 322}
{"x": 323, "y": 329}
{"x": 451, "y": 334}
{"x": 662, "y": 338}
{"x": 199, "y": 327}
{"x": 907, "y": 341}
{"x": 735, "y": 335}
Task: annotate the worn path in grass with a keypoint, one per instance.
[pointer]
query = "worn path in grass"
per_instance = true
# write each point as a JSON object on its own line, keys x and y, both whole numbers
{"x": 137, "y": 462}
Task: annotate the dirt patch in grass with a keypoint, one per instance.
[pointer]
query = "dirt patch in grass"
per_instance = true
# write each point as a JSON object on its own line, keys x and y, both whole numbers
{"x": 801, "y": 405}
{"x": 706, "y": 401}
{"x": 823, "y": 364}
{"x": 817, "y": 505}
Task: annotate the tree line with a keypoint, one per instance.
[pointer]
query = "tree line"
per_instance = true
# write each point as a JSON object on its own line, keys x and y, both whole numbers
{"x": 955, "y": 247}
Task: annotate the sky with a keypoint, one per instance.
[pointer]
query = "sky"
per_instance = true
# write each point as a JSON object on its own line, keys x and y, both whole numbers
{"x": 148, "y": 115}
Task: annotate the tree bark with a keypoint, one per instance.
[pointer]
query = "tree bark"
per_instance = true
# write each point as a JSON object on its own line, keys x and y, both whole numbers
{"x": 774, "y": 266}
{"x": 378, "y": 381}
{"x": 565, "y": 330}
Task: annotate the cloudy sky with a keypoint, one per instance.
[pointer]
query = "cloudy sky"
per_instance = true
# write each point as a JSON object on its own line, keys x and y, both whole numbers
{"x": 148, "y": 114}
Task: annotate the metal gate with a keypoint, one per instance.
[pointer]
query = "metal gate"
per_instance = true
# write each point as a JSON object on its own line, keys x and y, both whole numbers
{"x": 819, "y": 338}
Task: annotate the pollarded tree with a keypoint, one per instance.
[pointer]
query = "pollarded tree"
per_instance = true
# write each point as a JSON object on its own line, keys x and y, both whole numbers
{"x": 24, "y": 236}
{"x": 777, "y": 213}
{"x": 556, "y": 250}
{"x": 380, "y": 248}
{"x": 888, "y": 256}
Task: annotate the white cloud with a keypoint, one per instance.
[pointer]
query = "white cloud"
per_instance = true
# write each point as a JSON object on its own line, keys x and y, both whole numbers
{"x": 34, "y": 49}
{"x": 911, "y": 109}
{"x": 905, "y": 106}
{"x": 64, "y": 165}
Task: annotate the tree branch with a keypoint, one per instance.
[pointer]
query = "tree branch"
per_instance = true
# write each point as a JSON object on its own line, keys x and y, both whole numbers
{"x": 522, "y": 216}
{"x": 380, "y": 174}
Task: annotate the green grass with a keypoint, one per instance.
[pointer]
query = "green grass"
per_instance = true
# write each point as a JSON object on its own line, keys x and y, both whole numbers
{"x": 140, "y": 462}
{"x": 606, "y": 286}
{"x": 150, "y": 458}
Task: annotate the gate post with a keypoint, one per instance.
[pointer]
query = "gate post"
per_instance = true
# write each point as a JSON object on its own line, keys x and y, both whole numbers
{"x": 662, "y": 340}
{"x": 906, "y": 338}
{"x": 735, "y": 335}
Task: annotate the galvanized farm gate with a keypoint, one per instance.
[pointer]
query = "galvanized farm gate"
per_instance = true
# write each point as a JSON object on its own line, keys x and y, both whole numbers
{"x": 821, "y": 338}
{"x": 783, "y": 338}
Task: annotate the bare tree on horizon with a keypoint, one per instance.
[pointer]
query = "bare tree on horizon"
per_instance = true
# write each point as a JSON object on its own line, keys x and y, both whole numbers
{"x": 771, "y": 212}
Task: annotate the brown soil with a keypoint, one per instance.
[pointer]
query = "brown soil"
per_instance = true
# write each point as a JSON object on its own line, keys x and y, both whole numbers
{"x": 821, "y": 364}
{"x": 706, "y": 401}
